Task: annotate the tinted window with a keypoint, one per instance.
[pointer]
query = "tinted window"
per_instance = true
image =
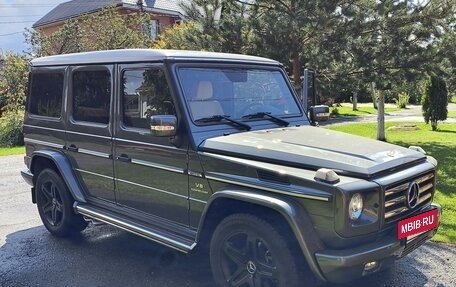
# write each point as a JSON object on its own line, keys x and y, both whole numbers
{"x": 145, "y": 94}
{"x": 46, "y": 94}
{"x": 91, "y": 96}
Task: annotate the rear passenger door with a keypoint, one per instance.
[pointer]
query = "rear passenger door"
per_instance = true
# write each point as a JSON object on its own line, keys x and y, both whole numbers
{"x": 151, "y": 173}
{"x": 89, "y": 132}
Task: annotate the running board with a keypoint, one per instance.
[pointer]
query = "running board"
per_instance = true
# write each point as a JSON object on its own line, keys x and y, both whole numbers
{"x": 155, "y": 234}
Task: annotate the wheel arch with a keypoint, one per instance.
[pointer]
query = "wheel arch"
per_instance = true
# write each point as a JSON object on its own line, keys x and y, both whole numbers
{"x": 287, "y": 211}
{"x": 57, "y": 161}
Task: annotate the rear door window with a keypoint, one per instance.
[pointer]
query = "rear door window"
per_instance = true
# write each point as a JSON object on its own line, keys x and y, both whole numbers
{"x": 46, "y": 93}
{"x": 91, "y": 95}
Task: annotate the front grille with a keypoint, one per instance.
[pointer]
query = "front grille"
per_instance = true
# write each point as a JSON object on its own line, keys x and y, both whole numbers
{"x": 396, "y": 197}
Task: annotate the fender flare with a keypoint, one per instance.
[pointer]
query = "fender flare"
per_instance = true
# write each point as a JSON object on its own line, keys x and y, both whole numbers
{"x": 294, "y": 214}
{"x": 63, "y": 165}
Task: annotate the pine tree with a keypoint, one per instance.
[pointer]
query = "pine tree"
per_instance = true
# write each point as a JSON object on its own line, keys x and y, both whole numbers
{"x": 435, "y": 101}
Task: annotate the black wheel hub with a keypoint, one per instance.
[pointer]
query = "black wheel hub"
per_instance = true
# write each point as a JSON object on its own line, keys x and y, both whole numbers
{"x": 247, "y": 261}
{"x": 251, "y": 267}
{"x": 51, "y": 203}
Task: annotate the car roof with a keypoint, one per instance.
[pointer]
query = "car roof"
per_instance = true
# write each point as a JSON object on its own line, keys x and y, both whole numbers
{"x": 144, "y": 55}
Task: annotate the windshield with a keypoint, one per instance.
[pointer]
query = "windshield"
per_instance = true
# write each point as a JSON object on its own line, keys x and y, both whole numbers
{"x": 236, "y": 93}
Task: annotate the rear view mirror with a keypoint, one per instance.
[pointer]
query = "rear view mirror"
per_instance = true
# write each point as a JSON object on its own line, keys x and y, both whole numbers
{"x": 163, "y": 125}
{"x": 319, "y": 113}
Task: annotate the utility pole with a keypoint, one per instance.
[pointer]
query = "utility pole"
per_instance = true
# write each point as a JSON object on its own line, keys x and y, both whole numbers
{"x": 140, "y": 5}
{"x": 141, "y": 27}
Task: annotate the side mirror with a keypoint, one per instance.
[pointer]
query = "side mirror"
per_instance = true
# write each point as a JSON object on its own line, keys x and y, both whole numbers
{"x": 163, "y": 125}
{"x": 319, "y": 113}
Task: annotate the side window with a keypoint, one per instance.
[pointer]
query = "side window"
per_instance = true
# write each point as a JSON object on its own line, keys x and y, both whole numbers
{"x": 91, "y": 95}
{"x": 145, "y": 94}
{"x": 46, "y": 94}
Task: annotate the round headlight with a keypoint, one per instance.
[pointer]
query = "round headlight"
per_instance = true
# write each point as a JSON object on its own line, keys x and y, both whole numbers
{"x": 355, "y": 207}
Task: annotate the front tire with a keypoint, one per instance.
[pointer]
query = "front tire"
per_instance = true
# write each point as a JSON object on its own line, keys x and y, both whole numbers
{"x": 248, "y": 251}
{"x": 55, "y": 205}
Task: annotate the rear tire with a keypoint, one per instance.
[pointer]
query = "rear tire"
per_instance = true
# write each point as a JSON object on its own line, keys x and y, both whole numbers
{"x": 55, "y": 205}
{"x": 248, "y": 251}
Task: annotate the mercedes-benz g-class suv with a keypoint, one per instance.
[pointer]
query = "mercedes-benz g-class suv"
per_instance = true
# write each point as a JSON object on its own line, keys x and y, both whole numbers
{"x": 210, "y": 151}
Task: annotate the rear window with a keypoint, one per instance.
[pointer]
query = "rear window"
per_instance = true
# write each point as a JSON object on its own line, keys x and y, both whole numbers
{"x": 46, "y": 94}
{"x": 91, "y": 96}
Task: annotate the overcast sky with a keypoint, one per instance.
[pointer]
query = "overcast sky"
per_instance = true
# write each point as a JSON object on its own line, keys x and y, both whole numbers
{"x": 17, "y": 15}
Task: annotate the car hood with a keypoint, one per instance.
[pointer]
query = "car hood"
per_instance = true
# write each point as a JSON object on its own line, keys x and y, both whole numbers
{"x": 313, "y": 148}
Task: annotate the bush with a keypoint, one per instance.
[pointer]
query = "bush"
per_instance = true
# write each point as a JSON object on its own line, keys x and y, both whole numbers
{"x": 11, "y": 129}
{"x": 402, "y": 100}
{"x": 13, "y": 82}
{"x": 415, "y": 95}
{"x": 334, "y": 112}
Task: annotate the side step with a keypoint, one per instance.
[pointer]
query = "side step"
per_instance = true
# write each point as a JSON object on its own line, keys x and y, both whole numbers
{"x": 150, "y": 232}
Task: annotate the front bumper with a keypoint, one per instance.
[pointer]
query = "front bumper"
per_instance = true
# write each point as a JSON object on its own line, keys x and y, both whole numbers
{"x": 27, "y": 175}
{"x": 345, "y": 265}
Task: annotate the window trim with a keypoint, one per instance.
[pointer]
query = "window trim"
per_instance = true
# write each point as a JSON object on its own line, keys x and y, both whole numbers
{"x": 210, "y": 65}
{"x": 47, "y": 70}
{"x": 142, "y": 67}
{"x": 89, "y": 68}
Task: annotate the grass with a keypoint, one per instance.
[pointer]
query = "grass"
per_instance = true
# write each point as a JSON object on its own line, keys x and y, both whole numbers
{"x": 451, "y": 114}
{"x": 12, "y": 150}
{"x": 346, "y": 110}
{"x": 441, "y": 145}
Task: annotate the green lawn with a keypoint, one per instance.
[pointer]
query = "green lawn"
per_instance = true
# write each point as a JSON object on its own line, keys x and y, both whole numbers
{"x": 451, "y": 114}
{"x": 346, "y": 110}
{"x": 440, "y": 144}
{"x": 12, "y": 150}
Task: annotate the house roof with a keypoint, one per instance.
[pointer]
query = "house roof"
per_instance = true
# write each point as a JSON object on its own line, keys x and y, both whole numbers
{"x": 74, "y": 8}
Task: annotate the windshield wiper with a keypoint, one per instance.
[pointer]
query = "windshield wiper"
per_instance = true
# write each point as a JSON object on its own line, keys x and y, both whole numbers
{"x": 260, "y": 115}
{"x": 218, "y": 118}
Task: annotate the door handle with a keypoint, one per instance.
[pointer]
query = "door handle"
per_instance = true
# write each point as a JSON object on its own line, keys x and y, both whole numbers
{"x": 124, "y": 158}
{"x": 72, "y": 147}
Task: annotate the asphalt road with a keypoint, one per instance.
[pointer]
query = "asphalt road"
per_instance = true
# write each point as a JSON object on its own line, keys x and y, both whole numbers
{"x": 106, "y": 256}
{"x": 412, "y": 113}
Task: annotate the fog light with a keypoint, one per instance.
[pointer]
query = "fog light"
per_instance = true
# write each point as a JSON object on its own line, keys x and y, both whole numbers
{"x": 370, "y": 266}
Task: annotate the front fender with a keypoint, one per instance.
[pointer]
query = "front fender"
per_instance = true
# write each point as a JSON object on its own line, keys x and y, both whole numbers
{"x": 294, "y": 214}
{"x": 64, "y": 167}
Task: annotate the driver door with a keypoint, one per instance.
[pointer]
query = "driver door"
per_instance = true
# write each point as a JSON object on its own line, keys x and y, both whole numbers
{"x": 151, "y": 173}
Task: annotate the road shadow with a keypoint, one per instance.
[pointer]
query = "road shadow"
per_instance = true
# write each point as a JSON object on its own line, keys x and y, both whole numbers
{"x": 106, "y": 256}
{"x": 99, "y": 256}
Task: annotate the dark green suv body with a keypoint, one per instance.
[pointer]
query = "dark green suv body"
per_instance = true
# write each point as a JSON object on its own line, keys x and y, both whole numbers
{"x": 214, "y": 152}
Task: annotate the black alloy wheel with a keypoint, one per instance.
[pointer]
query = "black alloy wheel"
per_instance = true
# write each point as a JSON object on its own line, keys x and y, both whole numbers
{"x": 55, "y": 205}
{"x": 247, "y": 251}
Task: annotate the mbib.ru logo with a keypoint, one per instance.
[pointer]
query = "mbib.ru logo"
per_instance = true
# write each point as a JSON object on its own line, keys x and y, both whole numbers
{"x": 417, "y": 224}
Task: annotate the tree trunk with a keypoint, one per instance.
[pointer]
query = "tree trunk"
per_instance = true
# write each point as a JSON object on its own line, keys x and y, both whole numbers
{"x": 381, "y": 117}
{"x": 297, "y": 71}
{"x": 434, "y": 125}
{"x": 355, "y": 101}
{"x": 374, "y": 100}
